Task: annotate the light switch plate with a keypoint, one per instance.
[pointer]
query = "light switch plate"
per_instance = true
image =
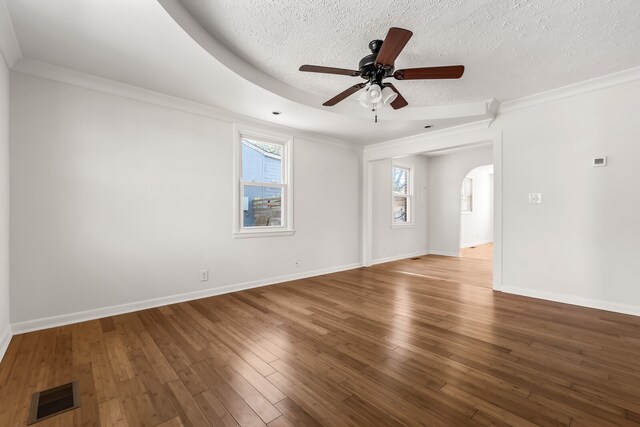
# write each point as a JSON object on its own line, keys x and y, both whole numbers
{"x": 535, "y": 198}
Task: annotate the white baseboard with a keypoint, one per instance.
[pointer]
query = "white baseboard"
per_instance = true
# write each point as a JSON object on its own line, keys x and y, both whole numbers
{"x": 478, "y": 243}
{"x": 83, "y": 316}
{"x": 574, "y": 300}
{"x": 398, "y": 257}
{"x": 444, "y": 253}
{"x": 5, "y": 339}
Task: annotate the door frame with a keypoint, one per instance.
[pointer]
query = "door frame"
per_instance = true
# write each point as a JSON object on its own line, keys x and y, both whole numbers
{"x": 467, "y": 137}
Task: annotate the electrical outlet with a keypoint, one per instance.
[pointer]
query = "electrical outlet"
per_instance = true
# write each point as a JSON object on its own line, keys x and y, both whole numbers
{"x": 204, "y": 275}
{"x": 296, "y": 263}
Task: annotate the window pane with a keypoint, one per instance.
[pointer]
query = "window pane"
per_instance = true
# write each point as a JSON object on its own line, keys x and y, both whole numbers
{"x": 400, "y": 209}
{"x": 261, "y": 161}
{"x": 400, "y": 180}
{"x": 467, "y": 195}
{"x": 262, "y": 206}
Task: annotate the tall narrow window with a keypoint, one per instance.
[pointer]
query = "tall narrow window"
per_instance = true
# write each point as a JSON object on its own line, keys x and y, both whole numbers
{"x": 467, "y": 195}
{"x": 264, "y": 205}
{"x": 402, "y": 196}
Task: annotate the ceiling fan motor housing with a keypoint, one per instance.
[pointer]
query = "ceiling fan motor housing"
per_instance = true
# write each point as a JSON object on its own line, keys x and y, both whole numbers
{"x": 368, "y": 68}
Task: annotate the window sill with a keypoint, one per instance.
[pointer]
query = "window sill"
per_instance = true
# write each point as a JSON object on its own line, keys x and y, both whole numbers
{"x": 262, "y": 233}
{"x": 407, "y": 225}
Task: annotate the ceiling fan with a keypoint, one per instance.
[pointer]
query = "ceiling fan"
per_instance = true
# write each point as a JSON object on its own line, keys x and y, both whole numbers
{"x": 378, "y": 66}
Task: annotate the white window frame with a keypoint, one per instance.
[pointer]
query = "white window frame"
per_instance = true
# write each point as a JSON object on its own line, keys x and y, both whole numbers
{"x": 410, "y": 199}
{"x": 471, "y": 189}
{"x": 286, "y": 184}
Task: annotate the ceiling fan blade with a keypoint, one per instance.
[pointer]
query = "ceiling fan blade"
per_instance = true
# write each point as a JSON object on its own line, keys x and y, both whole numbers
{"x": 448, "y": 72}
{"x": 393, "y": 44}
{"x": 342, "y": 95}
{"x": 399, "y": 102}
{"x": 329, "y": 70}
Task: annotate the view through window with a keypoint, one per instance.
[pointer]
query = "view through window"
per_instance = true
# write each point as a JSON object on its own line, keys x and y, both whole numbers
{"x": 401, "y": 189}
{"x": 262, "y": 183}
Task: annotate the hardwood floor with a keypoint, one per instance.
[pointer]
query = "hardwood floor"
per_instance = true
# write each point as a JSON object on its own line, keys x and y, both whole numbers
{"x": 472, "y": 268}
{"x": 483, "y": 252}
{"x": 413, "y": 342}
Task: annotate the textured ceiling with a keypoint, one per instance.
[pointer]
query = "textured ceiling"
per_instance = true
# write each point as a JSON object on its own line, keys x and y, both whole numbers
{"x": 138, "y": 43}
{"x": 510, "y": 48}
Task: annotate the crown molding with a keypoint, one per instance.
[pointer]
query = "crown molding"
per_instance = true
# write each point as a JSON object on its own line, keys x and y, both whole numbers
{"x": 193, "y": 27}
{"x": 9, "y": 46}
{"x": 100, "y": 84}
{"x": 433, "y": 140}
{"x": 468, "y": 133}
{"x": 597, "y": 83}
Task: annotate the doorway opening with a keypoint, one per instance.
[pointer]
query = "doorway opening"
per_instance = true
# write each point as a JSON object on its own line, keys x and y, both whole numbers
{"x": 445, "y": 175}
{"x": 476, "y": 214}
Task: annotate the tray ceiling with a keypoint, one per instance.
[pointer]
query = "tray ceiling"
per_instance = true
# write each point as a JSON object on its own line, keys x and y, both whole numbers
{"x": 510, "y": 49}
{"x": 243, "y": 55}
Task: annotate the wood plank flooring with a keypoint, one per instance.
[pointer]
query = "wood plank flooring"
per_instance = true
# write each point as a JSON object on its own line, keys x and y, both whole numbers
{"x": 482, "y": 252}
{"x": 412, "y": 342}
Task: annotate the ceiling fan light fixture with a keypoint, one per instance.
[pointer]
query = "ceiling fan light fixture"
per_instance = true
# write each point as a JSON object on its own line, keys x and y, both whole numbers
{"x": 364, "y": 100}
{"x": 374, "y": 93}
{"x": 388, "y": 95}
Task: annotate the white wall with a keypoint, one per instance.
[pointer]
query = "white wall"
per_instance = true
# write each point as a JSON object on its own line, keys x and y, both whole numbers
{"x": 4, "y": 207}
{"x": 446, "y": 173}
{"x": 476, "y": 227}
{"x": 398, "y": 242}
{"x": 117, "y": 201}
{"x": 582, "y": 244}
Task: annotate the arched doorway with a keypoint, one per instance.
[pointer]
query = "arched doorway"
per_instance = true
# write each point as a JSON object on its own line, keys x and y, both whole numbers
{"x": 448, "y": 140}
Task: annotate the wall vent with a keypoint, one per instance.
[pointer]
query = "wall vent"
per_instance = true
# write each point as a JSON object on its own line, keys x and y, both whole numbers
{"x": 49, "y": 403}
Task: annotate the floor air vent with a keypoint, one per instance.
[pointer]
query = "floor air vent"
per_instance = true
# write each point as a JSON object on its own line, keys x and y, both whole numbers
{"x": 415, "y": 259}
{"x": 48, "y": 403}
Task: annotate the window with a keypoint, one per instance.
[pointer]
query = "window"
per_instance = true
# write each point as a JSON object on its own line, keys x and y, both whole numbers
{"x": 401, "y": 196}
{"x": 467, "y": 195}
{"x": 263, "y": 185}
